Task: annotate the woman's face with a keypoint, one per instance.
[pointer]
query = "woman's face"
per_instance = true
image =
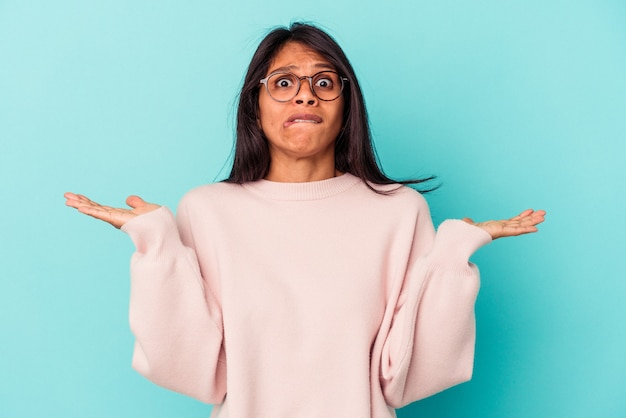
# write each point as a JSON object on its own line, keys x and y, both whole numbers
{"x": 305, "y": 126}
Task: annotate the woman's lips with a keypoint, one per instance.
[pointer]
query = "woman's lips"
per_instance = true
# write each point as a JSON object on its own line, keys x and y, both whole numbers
{"x": 302, "y": 118}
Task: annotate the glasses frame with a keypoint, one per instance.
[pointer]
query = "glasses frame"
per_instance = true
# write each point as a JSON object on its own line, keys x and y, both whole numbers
{"x": 300, "y": 78}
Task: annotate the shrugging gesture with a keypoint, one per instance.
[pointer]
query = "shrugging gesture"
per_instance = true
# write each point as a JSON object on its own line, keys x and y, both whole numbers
{"x": 295, "y": 268}
{"x": 114, "y": 216}
{"x": 524, "y": 223}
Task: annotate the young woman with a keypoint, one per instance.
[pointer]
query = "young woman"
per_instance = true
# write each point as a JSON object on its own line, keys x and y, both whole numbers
{"x": 307, "y": 284}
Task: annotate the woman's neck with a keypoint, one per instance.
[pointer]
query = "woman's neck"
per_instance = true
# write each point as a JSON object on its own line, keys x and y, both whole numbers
{"x": 301, "y": 171}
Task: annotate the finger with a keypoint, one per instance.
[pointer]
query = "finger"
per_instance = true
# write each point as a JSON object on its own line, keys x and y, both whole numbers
{"x": 113, "y": 216}
{"x": 537, "y": 217}
{"x": 83, "y": 198}
{"x": 538, "y": 220}
{"x": 96, "y": 212}
{"x": 76, "y": 203}
{"x": 468, "y": 220}
{"x": 135, "y": 201}
{"x": 72, "y": 196}
{"x": 523, "y": 214}
{"x": 80, "y": 200}
{"x": 73, "y": 203}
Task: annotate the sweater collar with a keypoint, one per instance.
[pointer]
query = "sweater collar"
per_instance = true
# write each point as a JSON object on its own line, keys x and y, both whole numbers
{"x": 303, "y": 191}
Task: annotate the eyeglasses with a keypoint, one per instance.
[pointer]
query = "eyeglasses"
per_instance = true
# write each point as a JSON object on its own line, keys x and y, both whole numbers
{"x": 283, "y": 86}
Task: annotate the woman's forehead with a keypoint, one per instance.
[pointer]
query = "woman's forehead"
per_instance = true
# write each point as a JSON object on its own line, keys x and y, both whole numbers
{"x": 294, "y": 56}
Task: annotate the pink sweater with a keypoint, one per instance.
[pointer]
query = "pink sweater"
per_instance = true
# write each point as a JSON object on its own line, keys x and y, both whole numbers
{"x": 303, "y": 300}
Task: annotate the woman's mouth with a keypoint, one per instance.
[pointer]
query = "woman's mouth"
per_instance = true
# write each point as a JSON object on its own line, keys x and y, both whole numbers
{"x": 302, "y": 118}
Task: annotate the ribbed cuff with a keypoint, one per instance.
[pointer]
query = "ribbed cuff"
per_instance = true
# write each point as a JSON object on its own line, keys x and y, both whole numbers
{"x": 153, "y": 230}
{"x": 458, "y": 240}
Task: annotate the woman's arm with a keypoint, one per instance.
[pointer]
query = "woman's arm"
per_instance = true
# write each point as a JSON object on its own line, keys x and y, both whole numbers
{"x": 429, "y": 345}
{"x": 177, "y": 327}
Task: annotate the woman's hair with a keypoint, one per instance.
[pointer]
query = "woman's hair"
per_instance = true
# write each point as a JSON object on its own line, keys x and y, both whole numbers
{"x": 354, "y": 151}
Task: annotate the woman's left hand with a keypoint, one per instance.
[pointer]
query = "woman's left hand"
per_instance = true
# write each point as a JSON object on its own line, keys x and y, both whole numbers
{"x": 524, "y": 223}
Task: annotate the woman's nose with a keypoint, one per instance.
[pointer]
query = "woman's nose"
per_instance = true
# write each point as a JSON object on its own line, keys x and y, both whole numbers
{"x": 306, "y": 93}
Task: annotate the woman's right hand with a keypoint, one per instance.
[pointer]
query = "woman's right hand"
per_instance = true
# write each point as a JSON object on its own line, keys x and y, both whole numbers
{"x": 114, "y": 216}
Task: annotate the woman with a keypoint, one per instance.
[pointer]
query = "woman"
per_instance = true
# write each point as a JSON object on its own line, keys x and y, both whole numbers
{"x": 307, "y": 284}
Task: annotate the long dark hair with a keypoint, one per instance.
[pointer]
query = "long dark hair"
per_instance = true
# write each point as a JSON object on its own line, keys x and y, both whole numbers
{"x": 354, "y": 151}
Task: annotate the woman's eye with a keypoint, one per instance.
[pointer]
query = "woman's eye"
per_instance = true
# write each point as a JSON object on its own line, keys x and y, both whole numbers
{"x": 324, "y": 83}
{"x": 284, "y": 82}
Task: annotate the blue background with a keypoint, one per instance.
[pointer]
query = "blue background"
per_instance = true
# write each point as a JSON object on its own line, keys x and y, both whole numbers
{"x": 513, "y": 104}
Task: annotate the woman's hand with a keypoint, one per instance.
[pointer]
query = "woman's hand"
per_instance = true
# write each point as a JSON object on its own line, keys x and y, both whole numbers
{"x": 114, "y": 216}
{"x": 524, "y": 223}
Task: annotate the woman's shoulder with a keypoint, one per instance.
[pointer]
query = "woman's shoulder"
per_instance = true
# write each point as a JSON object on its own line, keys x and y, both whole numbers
{"x": 208, "y": 193}
{"x": 399, "y": 193}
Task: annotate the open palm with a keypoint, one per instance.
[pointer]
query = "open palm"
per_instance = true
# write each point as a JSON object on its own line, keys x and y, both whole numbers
{"x": 114, "y": 216}
{"x": 524, "y": 223}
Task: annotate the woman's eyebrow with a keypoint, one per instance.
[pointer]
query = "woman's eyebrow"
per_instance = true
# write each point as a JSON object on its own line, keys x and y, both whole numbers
{"x": 290, "y": 68}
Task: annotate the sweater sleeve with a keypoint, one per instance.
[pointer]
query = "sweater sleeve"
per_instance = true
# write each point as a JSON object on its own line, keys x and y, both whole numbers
{"x": 430, "y": 336}
{"x": 178, "y": 329}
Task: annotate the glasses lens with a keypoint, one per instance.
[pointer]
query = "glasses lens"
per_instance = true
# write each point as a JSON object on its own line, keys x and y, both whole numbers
{"x": 327, "y": 85}
{"x": 282, "y": 86}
